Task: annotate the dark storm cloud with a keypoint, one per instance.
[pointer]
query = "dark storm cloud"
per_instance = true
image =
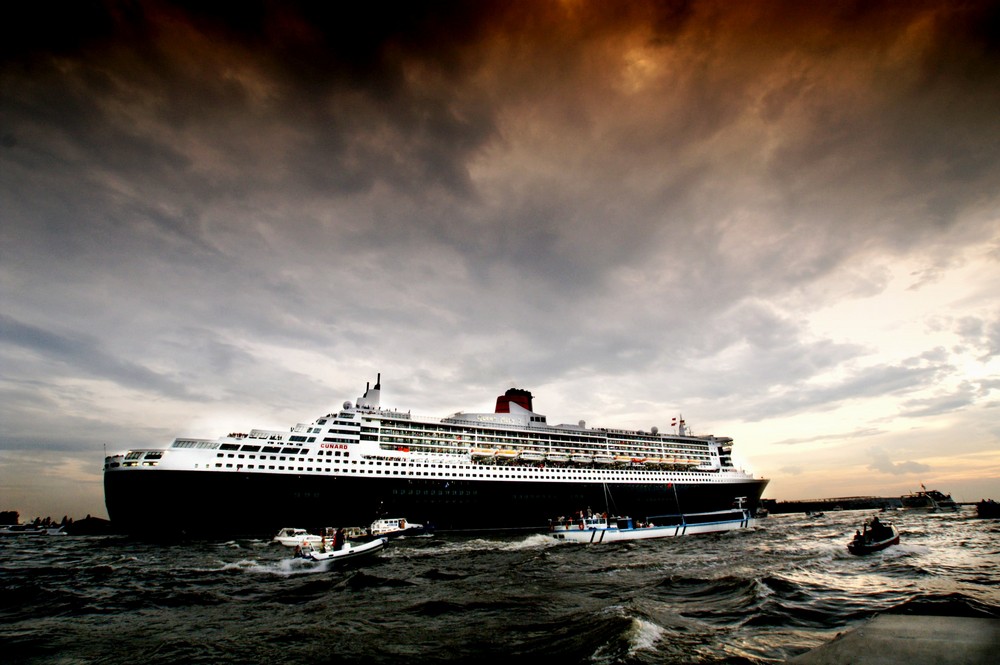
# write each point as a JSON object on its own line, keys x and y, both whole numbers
{"x": 84, "y": 355}
{"x": 870, "y": 382}
{"x": 245, "y": 204}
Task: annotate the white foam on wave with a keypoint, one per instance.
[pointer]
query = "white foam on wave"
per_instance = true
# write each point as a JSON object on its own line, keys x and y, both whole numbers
{"x": 283, "y": 567}
{"x": 531, "y": 542}
{"x": 642, "y": 634}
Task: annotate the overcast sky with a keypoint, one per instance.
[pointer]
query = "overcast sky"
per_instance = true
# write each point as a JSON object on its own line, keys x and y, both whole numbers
{"x": 781, "y": 220}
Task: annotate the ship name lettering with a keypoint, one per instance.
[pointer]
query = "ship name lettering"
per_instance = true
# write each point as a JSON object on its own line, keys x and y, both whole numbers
{"x": 495, "y": 419}
{"x": 337, "y": 446}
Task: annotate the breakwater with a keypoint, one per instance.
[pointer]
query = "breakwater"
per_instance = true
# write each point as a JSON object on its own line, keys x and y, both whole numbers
{"x": 775, "y": 507}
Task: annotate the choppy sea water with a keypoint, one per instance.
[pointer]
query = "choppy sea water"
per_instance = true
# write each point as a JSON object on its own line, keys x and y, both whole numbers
{"x": 749, "y": 597}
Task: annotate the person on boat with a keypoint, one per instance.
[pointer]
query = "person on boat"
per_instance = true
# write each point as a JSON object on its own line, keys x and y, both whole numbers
{"x": 338, "y": 539}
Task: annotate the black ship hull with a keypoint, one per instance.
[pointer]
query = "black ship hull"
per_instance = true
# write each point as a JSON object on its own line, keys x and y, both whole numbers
{"x": 168, "y": 503}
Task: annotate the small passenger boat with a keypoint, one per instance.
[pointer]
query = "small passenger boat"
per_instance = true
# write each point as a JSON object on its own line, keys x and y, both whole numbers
{"x": 31, "y": 530}
{"x": 347, "y": 552}
{"x": 988, "y": 508}
{"x": 875, "y": 535}
{"x": 604, "y": 529}
{"x": 394, "y": 527}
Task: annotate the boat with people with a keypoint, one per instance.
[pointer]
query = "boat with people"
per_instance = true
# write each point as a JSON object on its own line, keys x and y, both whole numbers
{"x": 930, "y": 500}
{"x": 988, "y": 508}
{"x": 365, "y": 460}
{"x": 346, "y": 551}
{"x": 395, "y": 527}
{"x": 32, "y": 530}
{"x": 601, "y": 528}
{"x": 875, "y": 535}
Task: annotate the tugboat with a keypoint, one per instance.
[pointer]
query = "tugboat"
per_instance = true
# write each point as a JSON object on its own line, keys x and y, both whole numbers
{"x": 875, "y": 535}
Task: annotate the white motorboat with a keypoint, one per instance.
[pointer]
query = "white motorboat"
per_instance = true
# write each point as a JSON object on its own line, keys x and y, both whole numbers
{"x": 292, "y": 537}
{"x": 348, "y": 551}
{"x": 31, "y": 530}
{"x": 395, "y": 527}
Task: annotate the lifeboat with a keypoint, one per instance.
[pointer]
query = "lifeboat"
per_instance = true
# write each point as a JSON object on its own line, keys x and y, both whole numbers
{"x": 531, "y": 457}
{"x": 604, "y": 459}
{"x": 557, "y": 457}
{"x": 482, "y": 453}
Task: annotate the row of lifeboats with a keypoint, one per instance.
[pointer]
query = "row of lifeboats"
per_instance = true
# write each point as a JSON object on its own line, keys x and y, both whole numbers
{"x": 481, "y": 454}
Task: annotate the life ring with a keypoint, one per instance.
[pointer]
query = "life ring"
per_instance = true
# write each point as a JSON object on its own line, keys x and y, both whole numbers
{"x": 581, "y": 526}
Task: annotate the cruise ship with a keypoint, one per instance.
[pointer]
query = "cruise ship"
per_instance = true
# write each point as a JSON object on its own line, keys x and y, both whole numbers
{"x": 509, "y": 469}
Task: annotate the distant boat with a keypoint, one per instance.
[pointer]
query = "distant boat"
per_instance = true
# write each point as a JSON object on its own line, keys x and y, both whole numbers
{"x": 988, "y": 508}
{"x": 393, "y": 527}
{"x": 875, "y": 536}
{"x": 931, "y": 500}
{"x": 292, "y": 537}
{"x": 31, "y": 530}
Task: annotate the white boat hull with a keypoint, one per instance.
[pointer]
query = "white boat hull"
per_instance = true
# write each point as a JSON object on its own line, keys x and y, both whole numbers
{"x": 589, "y": 533}
{"x": 348, "y": 551}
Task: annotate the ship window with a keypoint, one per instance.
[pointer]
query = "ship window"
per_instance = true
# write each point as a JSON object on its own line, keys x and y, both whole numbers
{"x": 230, "y": 455}
{"x": 229, "y": 466}
{"x": 218, "y": 454}
{"x": 229, "y": 446}
{"x": 271, "y": 449}
{"x": 251, "y": 449}
{"x": 281, "y": 459}
{"x": 271, "y": 467}
{"x": 219, "y": 465}
{"x": 281, "y": 468}
{"x": 290, "y": 451}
